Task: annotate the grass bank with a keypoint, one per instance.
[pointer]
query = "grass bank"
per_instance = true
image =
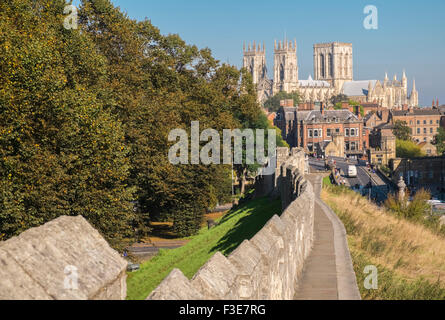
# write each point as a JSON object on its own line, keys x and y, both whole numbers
{"x": 235, "y": 227}
{"x": 409, "y": 257}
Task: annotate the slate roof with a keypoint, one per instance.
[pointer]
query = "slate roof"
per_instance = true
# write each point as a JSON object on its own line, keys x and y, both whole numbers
{"x": 384, "y": 126}
{"x": 357, "y": 88}
{"x": 314, "y": 83}
{"x": 417, "y": 112}
{"x": 329, "y": 115}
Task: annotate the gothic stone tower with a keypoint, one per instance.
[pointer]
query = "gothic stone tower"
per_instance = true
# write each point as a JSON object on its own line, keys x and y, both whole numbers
{"x": 285, "y": 67}
{"x": 333, "y": 62}
{"x": 255, "y": 61}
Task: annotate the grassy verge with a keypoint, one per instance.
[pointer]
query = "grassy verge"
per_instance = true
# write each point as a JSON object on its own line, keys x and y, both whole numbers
{"x": 327, "y": 181}
{"x": 409, "y": 257}
{"x": 238, "y": 225}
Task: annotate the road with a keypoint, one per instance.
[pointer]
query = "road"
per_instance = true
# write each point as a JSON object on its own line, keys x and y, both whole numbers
{"x": 380, "y": 188}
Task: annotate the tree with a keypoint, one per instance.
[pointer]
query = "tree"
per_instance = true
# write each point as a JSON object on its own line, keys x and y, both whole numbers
{"x": 339, "y": 99}
{"x": 402, "y": 131}
{"x": 273, "y": 103}
{"x": 61, "y": 151}
{"x": 408, "y": 149}
{"x": 439, "y": 141}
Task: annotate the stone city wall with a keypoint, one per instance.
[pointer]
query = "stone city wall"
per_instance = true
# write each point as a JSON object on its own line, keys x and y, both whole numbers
{"x": 267, "y": 267}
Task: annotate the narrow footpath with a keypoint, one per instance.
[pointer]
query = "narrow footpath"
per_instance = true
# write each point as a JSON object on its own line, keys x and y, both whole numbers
{"x": 328, "y": 272}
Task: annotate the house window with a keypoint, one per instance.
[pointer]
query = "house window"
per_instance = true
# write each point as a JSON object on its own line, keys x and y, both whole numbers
{"x": 424, "y": 130}
{"x": 418, "y": 122}
{"x": 321, "y": 133}
{"x": 347, "y": 133}
{"x": 431, "y": 130}
{"x": 315, "y": 133}
{"x": 310, "y": 133}
{"x": 431, "y": 121}
{"x": 418, "y": 130}
{"x": 352, "y": 132}
{"x": 328, "y": 133}
{"x": 353, "y": 146}
{"x": 411, "y": 122}
{"x": 424, "y": 121}
{"x": 337, "y": 130}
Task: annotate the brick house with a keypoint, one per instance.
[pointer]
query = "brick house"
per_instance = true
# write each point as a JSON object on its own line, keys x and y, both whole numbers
{"x": 424, "y": 123}
{"x": 313, "y": 130}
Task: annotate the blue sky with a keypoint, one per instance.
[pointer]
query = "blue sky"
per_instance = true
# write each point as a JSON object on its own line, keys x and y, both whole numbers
{"x": 411, "y": 34}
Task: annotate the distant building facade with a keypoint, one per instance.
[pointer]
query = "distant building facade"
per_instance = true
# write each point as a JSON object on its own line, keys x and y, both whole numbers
{"x": 424, "y": 122}
{"x": 383, "y": 145}
{"x": 427, "y": 173}
{"x": 428, "y": 148}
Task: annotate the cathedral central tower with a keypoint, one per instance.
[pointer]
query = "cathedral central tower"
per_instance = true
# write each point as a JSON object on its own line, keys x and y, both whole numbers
{"x": 333, "y": 62}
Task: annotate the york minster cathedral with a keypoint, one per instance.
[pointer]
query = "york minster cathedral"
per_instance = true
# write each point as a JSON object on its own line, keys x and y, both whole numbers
{"x": 333, "y": 75}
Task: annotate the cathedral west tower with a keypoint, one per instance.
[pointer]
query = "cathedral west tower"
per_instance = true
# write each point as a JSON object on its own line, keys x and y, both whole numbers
{"x": 255, "y": 62}
{"x": 285, "y": 67}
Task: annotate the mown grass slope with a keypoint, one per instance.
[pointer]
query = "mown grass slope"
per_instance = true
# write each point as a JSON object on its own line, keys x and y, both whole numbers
{"x": 410, "y": 258}
{"x": 238, "y": 225}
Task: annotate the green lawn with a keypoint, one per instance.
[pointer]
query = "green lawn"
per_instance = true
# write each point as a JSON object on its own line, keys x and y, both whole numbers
{"x": 237, "y": 226}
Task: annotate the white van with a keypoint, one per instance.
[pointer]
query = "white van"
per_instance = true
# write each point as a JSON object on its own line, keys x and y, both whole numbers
{"x": 352, "y": 172}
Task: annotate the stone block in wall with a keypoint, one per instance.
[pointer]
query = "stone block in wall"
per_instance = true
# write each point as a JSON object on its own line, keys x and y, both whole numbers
{"x": 271, "y": 244}
{"x": 63, "y": 259}
{"x": 176, "y": 287}
{"x": 247, "y": 259}
{"x": 216, "y": 279}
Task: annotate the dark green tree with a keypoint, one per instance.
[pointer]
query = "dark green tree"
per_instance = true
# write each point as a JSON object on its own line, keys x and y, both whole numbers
{"x": 338, "y": 99}
{"x": 273, "y": 103}
{"x": 402, "y": 131}
{"x": 439, "y": 141}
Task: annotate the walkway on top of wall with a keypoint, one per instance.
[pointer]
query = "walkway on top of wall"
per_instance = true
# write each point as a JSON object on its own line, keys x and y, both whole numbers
{"x": 328, "y": 272}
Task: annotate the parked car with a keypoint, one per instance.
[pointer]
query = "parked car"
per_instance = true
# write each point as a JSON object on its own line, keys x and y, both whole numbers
{"x": 352, "y": 172}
